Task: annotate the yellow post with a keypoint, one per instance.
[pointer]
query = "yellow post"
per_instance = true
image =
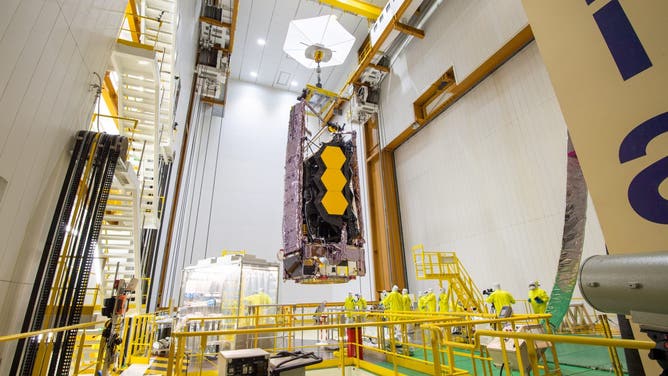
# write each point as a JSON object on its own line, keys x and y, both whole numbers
{"x": 504, "y": 354}
{"x": 451, "y": 355}
{"x": 79, "y": 352}
{"x": 533, "y": 357}
{"x": 170, "y": 358}
{"x": 553, "y": 350}
{"x": 341, "y": 349}
{"x": 100, "y": 354}
{"x": 393, "y": 349}
{"x": 518, "y": 355}
{"x": 474, "y": 367}
{"x": 435, "y": 350}
{"x": 256, "y": 318}
{"x": 612, "y": 351}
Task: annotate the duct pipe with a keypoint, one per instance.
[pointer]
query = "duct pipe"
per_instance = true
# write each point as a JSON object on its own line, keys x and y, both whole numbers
{"x": 626, "y": 283}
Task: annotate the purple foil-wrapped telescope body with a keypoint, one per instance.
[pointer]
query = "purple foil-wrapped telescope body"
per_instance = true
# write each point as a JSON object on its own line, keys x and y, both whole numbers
{"x": 321, "y": 244}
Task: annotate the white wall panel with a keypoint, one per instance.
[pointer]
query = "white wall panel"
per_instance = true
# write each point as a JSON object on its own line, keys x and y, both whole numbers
{"x": 460, "y": 33}
{"x": 49, "y": 51}
{"x": 486, "y": 179}
{"x": 14, "y": 38}
{"x": 8, "y": 10}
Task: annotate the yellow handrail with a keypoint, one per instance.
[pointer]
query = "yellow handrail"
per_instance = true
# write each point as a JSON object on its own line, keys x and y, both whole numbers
{"x": 592, "y": 341}
{"x": 13, "y": 337}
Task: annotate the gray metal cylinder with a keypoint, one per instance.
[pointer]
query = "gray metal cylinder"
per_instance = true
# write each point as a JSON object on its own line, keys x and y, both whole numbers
{"x": 624, "y": 283}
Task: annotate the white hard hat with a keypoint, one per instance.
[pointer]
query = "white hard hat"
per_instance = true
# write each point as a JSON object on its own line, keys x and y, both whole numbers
{"x": 404, "y": 291}
{"x": 395, "y": 288}
{"x": 496, "y": 286}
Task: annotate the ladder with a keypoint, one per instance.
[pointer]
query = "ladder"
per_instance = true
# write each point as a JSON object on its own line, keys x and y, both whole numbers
{"x": 446, "y": 267}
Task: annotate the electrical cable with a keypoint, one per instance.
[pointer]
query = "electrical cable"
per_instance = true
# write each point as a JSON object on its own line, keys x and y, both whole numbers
{"x": 201, "y": 185}
{"x": 44, "y": 278}
{"x": 186, "y": 191}
{"x": 191, "y": 207}
{"x": 78, "y": 216}
{"x": 294, "y": 356}
{"x": 183, "y": 200}
{"x": 151, "y": 269}
{"x": 98, "y": 94}
{"x": 213, "y": 189}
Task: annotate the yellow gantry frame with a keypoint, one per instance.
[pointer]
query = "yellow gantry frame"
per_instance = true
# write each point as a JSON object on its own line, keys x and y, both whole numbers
{"x": 357, "y": 7}
{"x": 133, "y": 20}
{"x": 434, "y": 92}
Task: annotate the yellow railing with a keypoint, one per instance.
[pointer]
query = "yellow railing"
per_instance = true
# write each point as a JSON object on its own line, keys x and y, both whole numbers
{"x": 397, "y": 340}
{"x": 193, "y": 345}
{"x": 531, "y": 339}
{"x": 436, "y": 343}
{"x": 141, "y": 37}
{"x": 139, "y": 337}
{"x": 45, "y": 336}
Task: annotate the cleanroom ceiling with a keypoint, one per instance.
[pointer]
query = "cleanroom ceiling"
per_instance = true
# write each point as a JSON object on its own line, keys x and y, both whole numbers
{"x": 267, "y": 64}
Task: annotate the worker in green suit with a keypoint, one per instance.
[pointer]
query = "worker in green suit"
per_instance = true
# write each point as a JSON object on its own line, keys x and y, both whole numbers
{"x": 394, "y": 302}
{"x": 406, "y": 299}
{"x": 360, "y": 302}
{"x": 443, "y": 300}
{"x": 422, "y": 301}
{"x": 537, "y": 297}
{"x": 257, "y": 300}
{"x": 349, "y": 306}
{"x": 500, "y": 298}
{"x": 430, "y": 299}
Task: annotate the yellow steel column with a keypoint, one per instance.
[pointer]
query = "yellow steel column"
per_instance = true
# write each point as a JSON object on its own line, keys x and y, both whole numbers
{"x": 133, "y": 20}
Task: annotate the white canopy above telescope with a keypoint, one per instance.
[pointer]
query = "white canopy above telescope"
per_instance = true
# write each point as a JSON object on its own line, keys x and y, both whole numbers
{"x": 323, "y": 33}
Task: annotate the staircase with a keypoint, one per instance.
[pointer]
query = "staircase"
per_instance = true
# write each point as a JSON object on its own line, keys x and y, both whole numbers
{"x": 161, "y": 35}
{"x": 119, "y": 235}
{"x": 446, "y": 267}
{"x": 144, "y": 86}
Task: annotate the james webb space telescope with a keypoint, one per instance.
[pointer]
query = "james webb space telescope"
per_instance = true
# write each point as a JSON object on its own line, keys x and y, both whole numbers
{"x": 322, "y": 242}
{"x": 322, "y": 215}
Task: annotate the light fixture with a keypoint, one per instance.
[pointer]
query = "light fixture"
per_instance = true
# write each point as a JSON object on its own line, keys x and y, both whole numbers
{"x": 253, "y": 74}
{"x": 143, "y": 62}
{"x": 294, "y": 83}
{"x": 318, "y": 42}
{"x": 261, "y": 41}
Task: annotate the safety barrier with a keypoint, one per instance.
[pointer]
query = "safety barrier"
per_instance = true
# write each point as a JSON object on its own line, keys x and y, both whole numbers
{"x": 384, "y": 343}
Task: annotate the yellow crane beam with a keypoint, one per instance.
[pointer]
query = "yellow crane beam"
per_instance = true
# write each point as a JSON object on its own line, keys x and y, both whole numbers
{"x": 360, "y": 8}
